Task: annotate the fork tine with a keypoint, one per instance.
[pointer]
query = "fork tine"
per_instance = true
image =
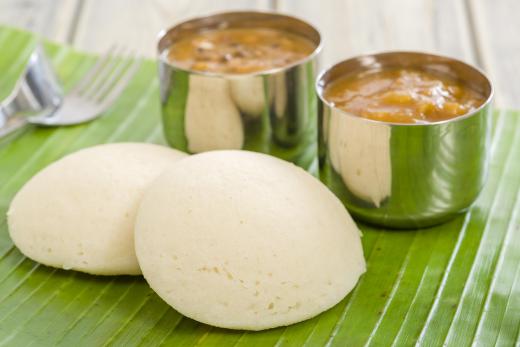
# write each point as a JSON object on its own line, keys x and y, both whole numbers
{"x": 93, "y": 71}
{"x": 121, "y": 84}
{"x": 103, "y": 73}
{"x": 116, "y": 74}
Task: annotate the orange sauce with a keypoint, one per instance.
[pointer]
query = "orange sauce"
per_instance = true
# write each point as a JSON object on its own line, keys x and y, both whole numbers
{"x": 403, "y": 95}
{"x": 239, "y": 50}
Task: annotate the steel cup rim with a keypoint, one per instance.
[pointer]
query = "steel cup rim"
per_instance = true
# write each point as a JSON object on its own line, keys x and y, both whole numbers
{"x": 164, "y": 32}
{"x": 319, "y": 88}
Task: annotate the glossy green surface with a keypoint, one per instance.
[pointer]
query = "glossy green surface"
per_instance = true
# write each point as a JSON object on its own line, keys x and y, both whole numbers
{"x": 457, "y": 283}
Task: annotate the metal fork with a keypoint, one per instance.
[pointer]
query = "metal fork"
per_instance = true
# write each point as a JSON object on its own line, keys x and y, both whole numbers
{"x": 91, "y": 96}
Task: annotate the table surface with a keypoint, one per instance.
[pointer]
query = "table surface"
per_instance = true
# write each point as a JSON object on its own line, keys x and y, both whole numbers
{"x": 481, "y": 32}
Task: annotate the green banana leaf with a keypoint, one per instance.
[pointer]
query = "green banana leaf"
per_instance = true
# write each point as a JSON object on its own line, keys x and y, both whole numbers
{"x": 456, "y": 284}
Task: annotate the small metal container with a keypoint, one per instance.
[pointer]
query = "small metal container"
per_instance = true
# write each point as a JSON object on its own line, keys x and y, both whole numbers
{"x": 271, "y": 111}
{"x": 404, "y": 175}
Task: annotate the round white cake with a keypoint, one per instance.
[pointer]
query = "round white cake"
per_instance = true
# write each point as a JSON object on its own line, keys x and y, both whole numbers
{"x": 243, "y": 240}
{"x": 78, "y": 213}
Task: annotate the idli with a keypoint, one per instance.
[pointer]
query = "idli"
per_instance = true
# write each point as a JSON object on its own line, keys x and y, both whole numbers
{"x": 78, "y": 213}
{"x": 243, "y": 240}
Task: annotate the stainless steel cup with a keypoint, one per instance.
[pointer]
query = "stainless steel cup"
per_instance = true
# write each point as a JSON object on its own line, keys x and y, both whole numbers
{"x": 404, "y": 175}
{"x": 270, "y": 111}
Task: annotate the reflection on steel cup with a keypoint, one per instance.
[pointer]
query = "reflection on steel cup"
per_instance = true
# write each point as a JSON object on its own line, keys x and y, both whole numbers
{"x": 271, "y": 111}
{"x": 404, "y": 175}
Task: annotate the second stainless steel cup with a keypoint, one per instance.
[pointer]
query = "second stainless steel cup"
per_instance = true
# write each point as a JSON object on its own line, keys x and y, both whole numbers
{"x": 270, "y": 111}
{"x": 404, "y": 175}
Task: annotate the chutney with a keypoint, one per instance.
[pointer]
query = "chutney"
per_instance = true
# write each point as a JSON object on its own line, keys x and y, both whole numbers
{"x": 403, "y": 95}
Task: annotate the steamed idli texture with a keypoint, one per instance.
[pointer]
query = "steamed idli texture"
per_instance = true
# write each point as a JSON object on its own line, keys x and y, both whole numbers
{"x": 244, "y": 240}
{"x": 78, "y": 213}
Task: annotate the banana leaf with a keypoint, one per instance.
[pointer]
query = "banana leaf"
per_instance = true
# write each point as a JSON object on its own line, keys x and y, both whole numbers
{"x": 456, "y": 284}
